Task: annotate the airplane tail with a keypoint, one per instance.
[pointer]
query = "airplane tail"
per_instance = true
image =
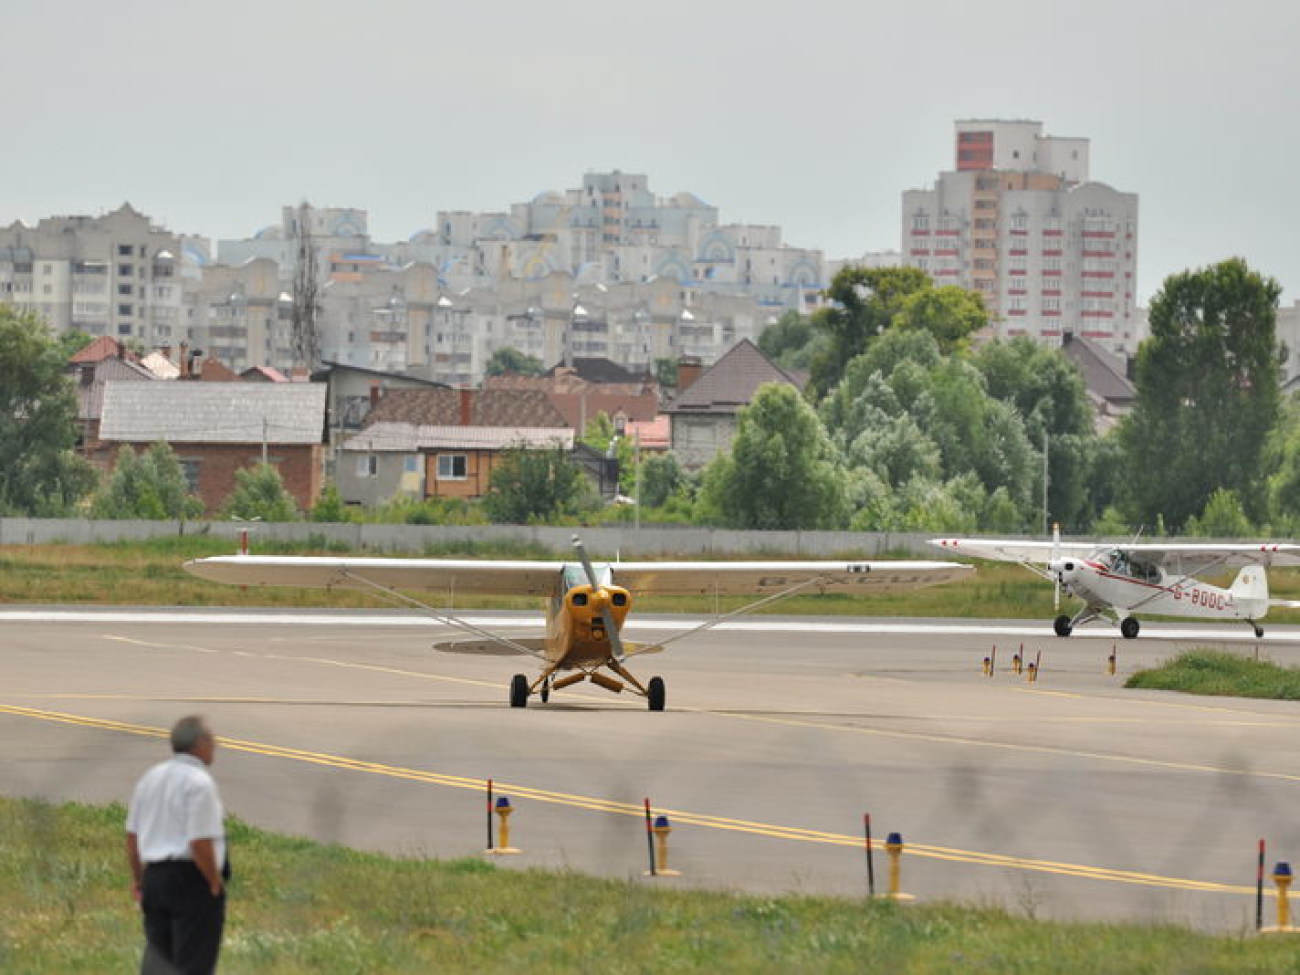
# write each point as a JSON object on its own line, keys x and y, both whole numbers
{"x": 1250, "y": 592}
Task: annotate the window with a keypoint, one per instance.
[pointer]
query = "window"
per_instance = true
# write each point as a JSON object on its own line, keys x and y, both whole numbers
{"x": 125, "y": 270}
{"x": 453, "y": 467}
{"x": 124, "y": 250}
{"x": 124, "y": 310}
{"x": 124, "y": 289}
{"x": 368, "y": 466}
{"x": 411, "y": 464}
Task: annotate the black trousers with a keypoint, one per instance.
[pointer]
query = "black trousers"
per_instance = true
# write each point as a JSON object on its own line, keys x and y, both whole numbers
{"x": 182, "y": 920}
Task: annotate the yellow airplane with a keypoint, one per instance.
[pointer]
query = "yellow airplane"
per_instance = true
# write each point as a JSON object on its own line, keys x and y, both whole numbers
{"x": 587, "y": 603}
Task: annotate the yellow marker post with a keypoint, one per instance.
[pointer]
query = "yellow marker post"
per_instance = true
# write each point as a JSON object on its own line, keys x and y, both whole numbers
{"x": 1282, "y": 878}
{"x": 503, "y": 810}
{"x": 661, "y": 829}
{"x": 1110, "y": 661}
{"x": 1018, "y": 660}
{"x": 988, "y": 667}
{"x": 894, "y": 847}
{"x": 1032, "y": 673}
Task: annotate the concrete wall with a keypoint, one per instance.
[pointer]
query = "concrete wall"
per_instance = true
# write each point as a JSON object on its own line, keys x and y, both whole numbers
{"x": 605, "y": 542}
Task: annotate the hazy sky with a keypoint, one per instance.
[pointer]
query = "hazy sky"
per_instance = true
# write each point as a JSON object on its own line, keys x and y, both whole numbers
{"x": 813, "y": 116}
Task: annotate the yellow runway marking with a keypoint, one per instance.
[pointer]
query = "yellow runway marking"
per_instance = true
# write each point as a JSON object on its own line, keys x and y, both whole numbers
{"x": 679, "y": 816}
{"x": 1005, "y": 746}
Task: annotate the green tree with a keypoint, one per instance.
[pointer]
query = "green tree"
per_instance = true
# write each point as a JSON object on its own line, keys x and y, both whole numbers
{"x": 661, "y": 478}
{"x": 330, "y": 507}
{"x": 507, "y": 360}
{"x": 1048, "y": 392}
{"x": 665, "y": 373}
{"x": 40, "y": 474}
{"x": 951, "y": 314}
{"x": 791, "y": 341}
{"x": 260, "y": 495}
{"x": 537, "y": 486}
{"x": 1223, "y": 517}
{"x": 1207, "y": 385}
{"x": 782, "y": 471}
{"x": 864, "y": 303}
{"x": 151, "y": 486}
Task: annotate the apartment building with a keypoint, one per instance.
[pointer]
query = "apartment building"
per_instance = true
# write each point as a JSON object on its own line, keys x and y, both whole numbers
{"x": 1019, "y": 220}
{"x": 117, "y": 274}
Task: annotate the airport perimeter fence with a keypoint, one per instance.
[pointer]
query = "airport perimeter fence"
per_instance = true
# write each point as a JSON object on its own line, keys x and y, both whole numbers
{"x": 605, "y": 541}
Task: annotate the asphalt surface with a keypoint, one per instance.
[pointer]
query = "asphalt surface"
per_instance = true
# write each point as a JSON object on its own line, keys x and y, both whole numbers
{"x": 1064, "y": 797}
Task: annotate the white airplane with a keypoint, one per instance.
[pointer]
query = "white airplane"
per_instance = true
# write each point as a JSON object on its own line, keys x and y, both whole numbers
{"x": 587, "y": 603}
{"x": 1116, "y": 580}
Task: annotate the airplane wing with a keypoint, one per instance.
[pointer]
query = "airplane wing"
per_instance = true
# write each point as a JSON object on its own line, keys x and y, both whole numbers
{"x": 1014, "y": 550}
{"x": 527, "y": 578}
{"x": 759, "y": 578}
{"x": 474, "y": 576}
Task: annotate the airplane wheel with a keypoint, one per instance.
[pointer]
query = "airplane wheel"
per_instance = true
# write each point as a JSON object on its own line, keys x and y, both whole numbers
{"x": 1062, "y": 625}
{"x": 518, "y": 691}
{"x": 1259, "y": 630}
{"x": 1128, "y": 627}
{"x": 656, "y": 693}
{"x": 546, "y": 690}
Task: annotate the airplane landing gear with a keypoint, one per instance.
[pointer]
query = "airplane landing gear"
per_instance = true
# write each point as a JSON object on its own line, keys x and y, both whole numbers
{"x": 519, "y": 691}
{"x": 655, "y": 693}
{"x": 1062, "y": 625}
{"x": 1128, "y": 627}
{"x": 1259, "y": 630}
{"x": 545, "y": 692}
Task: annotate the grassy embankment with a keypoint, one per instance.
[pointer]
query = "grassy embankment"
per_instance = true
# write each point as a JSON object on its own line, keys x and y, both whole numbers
{"x": 299, "y": 907}
{"x": 1224, "y": 674}
{"x": 149, "y": 573}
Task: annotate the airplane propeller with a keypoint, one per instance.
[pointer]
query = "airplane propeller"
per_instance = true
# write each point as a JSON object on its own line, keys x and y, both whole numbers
{"x": 611, "y": 626}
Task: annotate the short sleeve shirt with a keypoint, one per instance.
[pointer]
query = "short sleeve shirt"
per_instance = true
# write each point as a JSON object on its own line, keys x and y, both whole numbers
{"x": 175, "y": 802}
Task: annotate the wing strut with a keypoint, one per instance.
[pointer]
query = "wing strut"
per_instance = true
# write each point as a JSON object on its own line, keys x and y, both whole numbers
{"x": 747, "y": 608}
{"x": 444, "y": 618}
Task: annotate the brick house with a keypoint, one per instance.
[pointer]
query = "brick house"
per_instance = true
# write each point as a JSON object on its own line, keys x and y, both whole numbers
{"x": 218, "y": 428}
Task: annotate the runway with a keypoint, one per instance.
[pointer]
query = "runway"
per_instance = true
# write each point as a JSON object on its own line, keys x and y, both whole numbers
{"x": 1067, "y": 797}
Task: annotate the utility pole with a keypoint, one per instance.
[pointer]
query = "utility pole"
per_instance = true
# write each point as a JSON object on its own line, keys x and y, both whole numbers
{"x": 1045, "y": 481}
{"x": 306, "y": 345}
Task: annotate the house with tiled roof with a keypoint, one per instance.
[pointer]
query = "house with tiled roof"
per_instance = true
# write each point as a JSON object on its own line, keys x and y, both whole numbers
{"x": 103, "y": 360}
{"x": 1105, "y": 379}
{"x": 703, "y": 415}
{"x": 589, "y": 387}
{"x": 219, "y": 428}
{"x": 443, "y": 442}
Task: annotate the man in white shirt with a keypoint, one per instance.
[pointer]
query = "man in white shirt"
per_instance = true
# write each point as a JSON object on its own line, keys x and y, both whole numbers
{"x": 176, "y": 845}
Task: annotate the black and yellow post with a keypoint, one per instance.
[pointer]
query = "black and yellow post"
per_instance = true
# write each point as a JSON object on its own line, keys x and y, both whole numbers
{"x": 1112, "y": 660}
{"x": 1018, "y": 660}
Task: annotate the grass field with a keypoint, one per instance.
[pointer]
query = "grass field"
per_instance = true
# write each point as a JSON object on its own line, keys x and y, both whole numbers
{"x": 149, "y": 573}
{"x": 299, "y": 907}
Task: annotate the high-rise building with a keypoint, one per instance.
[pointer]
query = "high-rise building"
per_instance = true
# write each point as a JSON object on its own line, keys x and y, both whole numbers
{"x": 117, "y": 274}
{"x": 1019, "y": 221}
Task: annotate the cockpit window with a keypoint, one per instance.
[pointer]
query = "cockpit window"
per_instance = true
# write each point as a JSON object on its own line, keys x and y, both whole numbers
{"x": 1119, "y": 562}
{"x": 575, "y": 575}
